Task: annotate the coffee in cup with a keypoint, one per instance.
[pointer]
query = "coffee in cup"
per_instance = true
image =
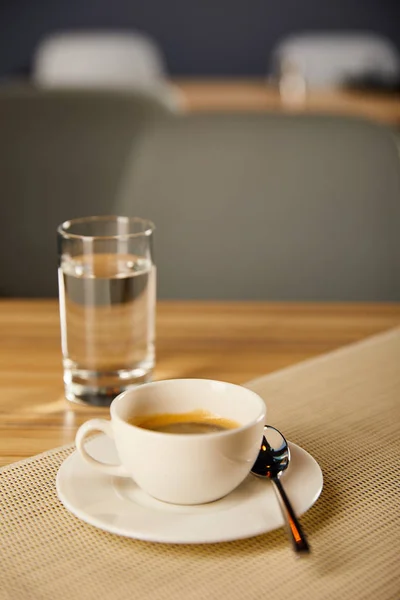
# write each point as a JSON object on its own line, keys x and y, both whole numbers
{"x": 194, "y": 422}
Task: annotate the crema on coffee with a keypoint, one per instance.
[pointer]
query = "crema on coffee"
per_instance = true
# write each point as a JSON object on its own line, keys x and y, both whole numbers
{"x": 195, "y": 422}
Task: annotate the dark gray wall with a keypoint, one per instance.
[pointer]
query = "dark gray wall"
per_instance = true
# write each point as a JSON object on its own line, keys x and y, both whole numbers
{"x": 199, "y": 37}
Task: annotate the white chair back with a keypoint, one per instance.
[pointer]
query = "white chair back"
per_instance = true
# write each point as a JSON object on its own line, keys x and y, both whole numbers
{"x": 330, "y": 60}
{"x": 98, "y": 59}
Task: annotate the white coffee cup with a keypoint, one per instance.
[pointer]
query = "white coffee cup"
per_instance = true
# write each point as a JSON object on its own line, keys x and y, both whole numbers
{"x": 182, "y": 468}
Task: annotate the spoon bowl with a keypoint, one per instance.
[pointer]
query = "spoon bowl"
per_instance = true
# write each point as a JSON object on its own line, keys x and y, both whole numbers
{"x": 274, "y": 455}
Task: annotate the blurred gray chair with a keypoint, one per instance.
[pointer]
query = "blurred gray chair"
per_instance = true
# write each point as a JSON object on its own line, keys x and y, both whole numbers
{"x": 104, "y": 60}
{"x": 62, "y": 155}
{"x": 270, "y": 207}
{"x": 331, "y": 60}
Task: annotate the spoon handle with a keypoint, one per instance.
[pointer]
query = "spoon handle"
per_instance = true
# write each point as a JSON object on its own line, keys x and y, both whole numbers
{"x": 295, "y": 531}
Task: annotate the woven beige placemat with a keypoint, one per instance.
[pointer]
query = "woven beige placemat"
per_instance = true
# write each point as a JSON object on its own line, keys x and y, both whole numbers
{"x": 343, "y": 408}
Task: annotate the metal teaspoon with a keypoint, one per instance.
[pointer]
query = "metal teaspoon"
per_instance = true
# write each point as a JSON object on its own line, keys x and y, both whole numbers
{"x": 273, "y": 459}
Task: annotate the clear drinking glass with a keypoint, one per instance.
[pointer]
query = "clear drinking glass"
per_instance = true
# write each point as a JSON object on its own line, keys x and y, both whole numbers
{"x": 107, "y": 286}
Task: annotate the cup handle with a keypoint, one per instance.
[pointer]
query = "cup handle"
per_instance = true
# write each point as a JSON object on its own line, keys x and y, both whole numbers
{"x": 81, "y": 435}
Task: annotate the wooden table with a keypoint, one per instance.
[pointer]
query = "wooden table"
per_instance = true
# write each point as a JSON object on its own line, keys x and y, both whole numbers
{"x": 257, "y": 95}
{"x": 229, "y": 341}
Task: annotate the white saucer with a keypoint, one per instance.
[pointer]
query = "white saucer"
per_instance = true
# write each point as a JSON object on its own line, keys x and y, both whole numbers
{"x": 118, "y": 506}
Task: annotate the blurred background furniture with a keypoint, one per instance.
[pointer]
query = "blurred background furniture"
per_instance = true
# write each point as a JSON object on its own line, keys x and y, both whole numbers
{"x": 331, "y": 60}
{"x": 247, "y": 206}
{"x": 62, "y": 154}
{"x": 264, "y": 206}
{"x": 233, "y": 41}
{"x": 103, "y": 60}
{"x": 255, "y": 95}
